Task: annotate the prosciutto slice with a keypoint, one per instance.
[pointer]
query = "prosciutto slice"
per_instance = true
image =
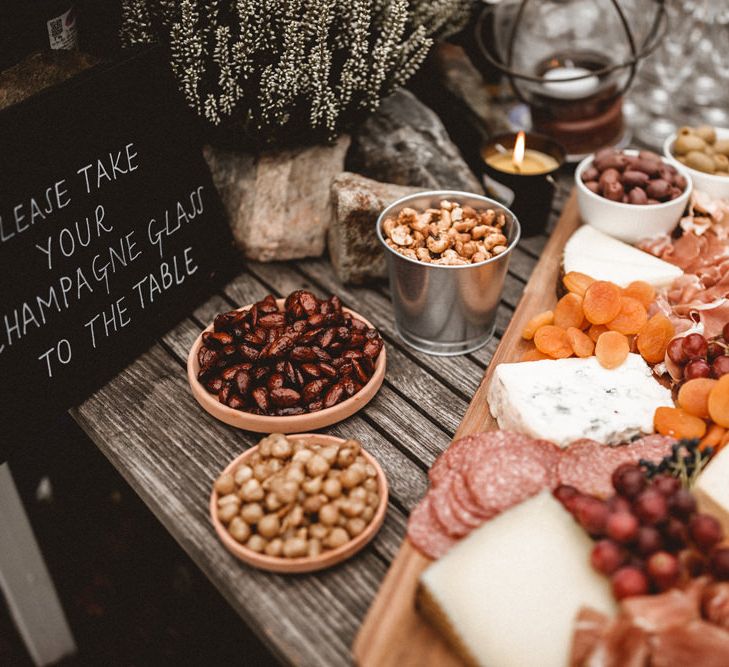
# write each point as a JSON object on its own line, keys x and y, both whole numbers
{"x": 700, "y": 298}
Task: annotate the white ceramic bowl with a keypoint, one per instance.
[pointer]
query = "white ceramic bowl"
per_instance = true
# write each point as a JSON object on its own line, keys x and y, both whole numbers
{"x": 714, "y": 186}
{"x": 629, "y": 222}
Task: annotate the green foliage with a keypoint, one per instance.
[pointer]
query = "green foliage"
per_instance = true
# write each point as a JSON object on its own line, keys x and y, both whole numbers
{"x": 283, "y": 69}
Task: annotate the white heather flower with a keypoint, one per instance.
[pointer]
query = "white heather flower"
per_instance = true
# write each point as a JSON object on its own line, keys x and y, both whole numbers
{"x": 280, "y": 69}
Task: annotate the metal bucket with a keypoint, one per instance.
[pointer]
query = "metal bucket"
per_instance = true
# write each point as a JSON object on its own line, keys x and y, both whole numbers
{"x": 446, "y": 310}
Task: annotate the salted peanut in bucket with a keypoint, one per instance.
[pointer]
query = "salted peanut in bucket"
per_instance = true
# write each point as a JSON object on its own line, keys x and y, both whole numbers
{"x": 447, "y": 253}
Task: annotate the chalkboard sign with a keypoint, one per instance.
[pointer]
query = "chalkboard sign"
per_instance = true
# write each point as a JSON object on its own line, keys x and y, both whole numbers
{"x": 110, "y": 232}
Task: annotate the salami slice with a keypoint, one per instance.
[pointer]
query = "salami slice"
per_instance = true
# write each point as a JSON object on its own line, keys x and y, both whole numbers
{"x": 464, "y": 499}
{"x": 588, "y": 465}
{"x": 507, "y": 475}
{"x": 424, "y": 532}
{"x": 443, "y": 508}
{"x": 451, "y": 459}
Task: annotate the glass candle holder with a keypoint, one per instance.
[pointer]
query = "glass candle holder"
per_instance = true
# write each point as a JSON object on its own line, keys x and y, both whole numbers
{"x": 521, "y": 176}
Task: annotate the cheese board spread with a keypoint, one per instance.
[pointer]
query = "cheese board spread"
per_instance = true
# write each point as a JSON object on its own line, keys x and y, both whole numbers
{"x": 587, "y": 479}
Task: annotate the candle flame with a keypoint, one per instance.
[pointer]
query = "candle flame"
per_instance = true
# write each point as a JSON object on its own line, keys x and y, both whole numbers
{"x": 518, "y": 155}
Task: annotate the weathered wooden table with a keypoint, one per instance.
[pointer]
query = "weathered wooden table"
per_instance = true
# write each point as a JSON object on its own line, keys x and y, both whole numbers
{"x": 169, "y": 450}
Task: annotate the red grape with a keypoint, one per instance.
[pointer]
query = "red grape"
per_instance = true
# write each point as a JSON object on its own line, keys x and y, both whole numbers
{"x": 649, "y": 540}
{"x": 682, "y": 504}
{"x": 705, "y": 531}
{"x": 619, "y": 504}
{"x": 714, "y": 350}
{"x": 628, "y": 480}
{"x": 663, "y": 569}
{"x": 676, "y": 353}
{"x": 676, "y": 534}
{"x": 592, "y": 515}
{"x": 606, "y": 556}
{"x": 629, "y": 581}
{"x": 719, "y": 564}
{"x": 666, "y": 484}
{"x": 651, "y": 507}
{"x": 622, "y": 527}
{"x": 725, "y": 332}
{"x": 720, "y": 366}
{"x": 692, "y": 563}
{"x": 567, "y": 495}
{"x": 695, "y": 346}
{"x": 697, "y": 368}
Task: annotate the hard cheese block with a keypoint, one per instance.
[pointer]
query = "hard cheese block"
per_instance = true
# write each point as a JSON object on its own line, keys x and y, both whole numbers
{"x": 602, "y": 257}
{"x": 712, "y": 488}
{"x": 508, "y": 594}
{"x": 566, "y": 399}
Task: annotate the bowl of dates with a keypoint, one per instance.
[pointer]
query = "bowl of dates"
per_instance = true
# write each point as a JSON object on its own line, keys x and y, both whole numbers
{"x": 631, "y": 194}
{"x": 286, "y": 365}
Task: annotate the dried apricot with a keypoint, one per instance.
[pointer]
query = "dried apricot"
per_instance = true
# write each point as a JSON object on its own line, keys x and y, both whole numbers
{"x": 596, "y": 330}
{"x": 719, "y": 402}
{"x": 641, "y": 291}
{"x": 693, "y": 396}
{"x": 547, "y": 317}
{"x": 611, "y": 349}
{"x": 678, "y": 423}
{"x": 553, "y": 341}
{"x": 568, "y": 311}
{"x": 631, "y": 318}
{"x": 534, "y": 355}
{"x": 601, "y": 302}
{"x": 713, "y": 437}
{"x": 577, "y": 282}
{"x": 582, "y": 344}
{"x": 654, "y": 337}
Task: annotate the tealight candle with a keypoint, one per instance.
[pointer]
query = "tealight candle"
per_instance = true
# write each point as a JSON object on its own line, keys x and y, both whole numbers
{"x": 518, "y": 171}
{"x": 570, "y": 90}
{"x": 522, "y": 160}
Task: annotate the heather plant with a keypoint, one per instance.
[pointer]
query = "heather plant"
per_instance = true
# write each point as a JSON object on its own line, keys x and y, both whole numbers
{"x": 290, "y": 70}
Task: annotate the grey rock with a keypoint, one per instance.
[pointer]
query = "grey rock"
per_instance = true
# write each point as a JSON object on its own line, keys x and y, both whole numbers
{"x": 354, "y": 249}
{"x": 404, "y": 142}
{"x": 459, "y": 76}
{"x": 278, "y": 203}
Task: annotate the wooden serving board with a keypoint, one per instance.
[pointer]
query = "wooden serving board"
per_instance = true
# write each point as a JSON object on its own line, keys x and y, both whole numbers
{"x": 393, "y": 633}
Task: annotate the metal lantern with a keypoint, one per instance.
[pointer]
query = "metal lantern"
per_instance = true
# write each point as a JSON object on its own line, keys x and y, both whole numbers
{"x": 572, "y": 60}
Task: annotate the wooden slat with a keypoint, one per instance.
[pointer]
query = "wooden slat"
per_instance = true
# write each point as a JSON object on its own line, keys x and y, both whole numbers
{"x": 394, "y": 634}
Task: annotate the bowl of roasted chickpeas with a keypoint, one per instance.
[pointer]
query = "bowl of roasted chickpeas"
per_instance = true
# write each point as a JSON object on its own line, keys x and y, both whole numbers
{"x": 299, "y": 503}
{"x": 704, "y": 152}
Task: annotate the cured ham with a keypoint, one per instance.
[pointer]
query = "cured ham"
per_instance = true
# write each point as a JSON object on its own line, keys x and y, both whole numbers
{"x": 701, "y": 296}
{"x": 664, "y": 630}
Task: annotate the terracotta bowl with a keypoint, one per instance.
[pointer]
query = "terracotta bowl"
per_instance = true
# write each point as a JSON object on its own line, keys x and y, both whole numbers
{"x": 308, "y": 564}
{"x": 293, "y": 424}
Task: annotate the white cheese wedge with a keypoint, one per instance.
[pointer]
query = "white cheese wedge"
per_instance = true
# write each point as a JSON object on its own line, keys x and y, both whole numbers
{"x": 712, "y": 489}
{"x": 602, "y": 257}
{"x": 566, "y": 399}
{"x": 508, "y": 594}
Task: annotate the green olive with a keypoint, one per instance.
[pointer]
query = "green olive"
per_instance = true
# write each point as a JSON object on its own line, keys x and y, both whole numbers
{"x": 685, "y": 130}
{"x": 686, "y": 143}
{"x": 721, "y": 162}
{"x": 722, "y": 146}
{"x": 707, "y": 133}
{"x": 700, "y": 162}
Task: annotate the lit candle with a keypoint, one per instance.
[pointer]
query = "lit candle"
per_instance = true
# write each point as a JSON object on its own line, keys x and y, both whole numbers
{"x": 522, "y": 160}
{"x": 570, "y": 90}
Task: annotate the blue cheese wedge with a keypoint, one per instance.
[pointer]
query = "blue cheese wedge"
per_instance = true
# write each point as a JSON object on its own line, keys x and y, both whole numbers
{"x": 509, "y": 593}
{"x": 566, "y": 399}
{"x": 602, "y": 257}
